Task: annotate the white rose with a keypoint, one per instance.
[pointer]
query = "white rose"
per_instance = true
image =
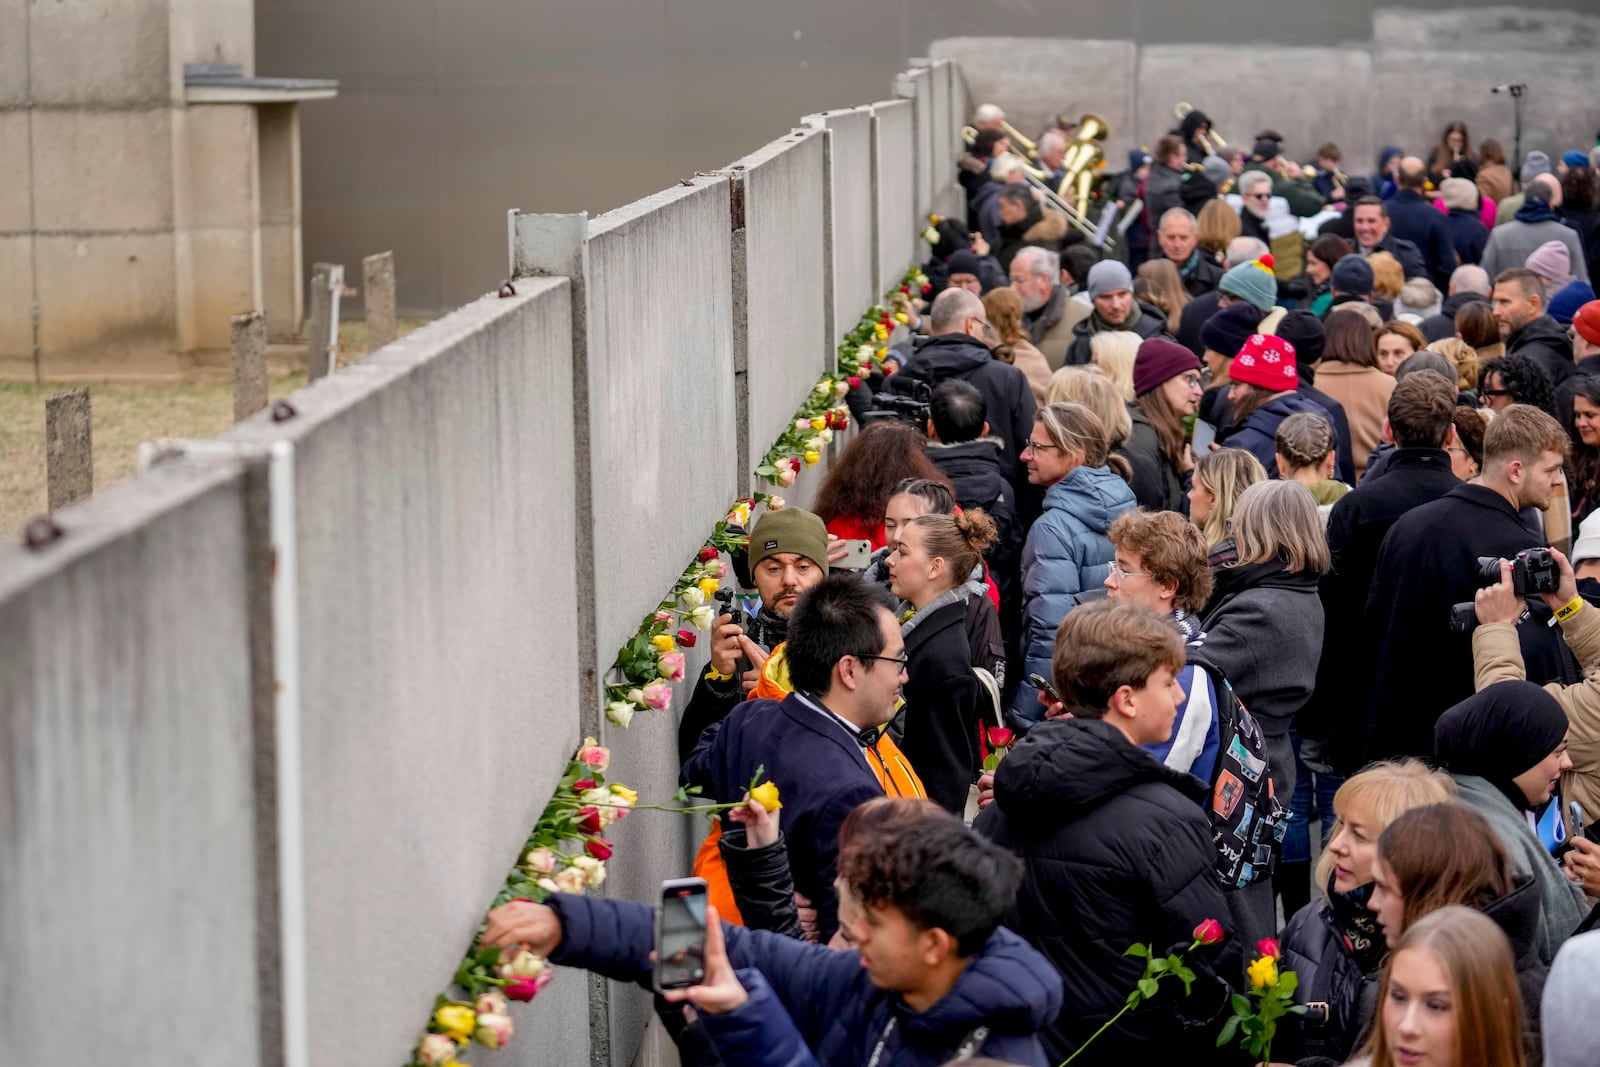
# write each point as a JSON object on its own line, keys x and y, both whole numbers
{"x": 620, "y": 712}
{"x": 692, "y": 597}
{"x": 572, "y": 880}
{"x": 702, "y": 617}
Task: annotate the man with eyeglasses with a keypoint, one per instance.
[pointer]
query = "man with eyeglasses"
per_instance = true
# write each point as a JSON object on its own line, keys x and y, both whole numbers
{"x": 823, "y": 744}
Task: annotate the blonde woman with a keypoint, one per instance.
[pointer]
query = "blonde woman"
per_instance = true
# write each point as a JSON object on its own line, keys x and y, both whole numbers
{"x": 1462, "y": 356}
{"x": 1114, "y": 351}
{"x": 1305, "y": 454}
{"x": 1388, "y": 277}
{"x": 1218, "y": 225}
{"x": 1336, "y": 944}
{"x": 1096, "y": 391}
{"x": 1219, "y": 479}
{"x": 1003, "y": 306}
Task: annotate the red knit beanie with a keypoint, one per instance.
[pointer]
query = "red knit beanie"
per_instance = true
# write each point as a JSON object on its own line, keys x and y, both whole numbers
{"x": 1266, "y": 361}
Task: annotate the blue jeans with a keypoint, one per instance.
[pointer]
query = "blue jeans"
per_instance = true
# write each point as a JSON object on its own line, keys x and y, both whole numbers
{"x": 1309, "y": 787}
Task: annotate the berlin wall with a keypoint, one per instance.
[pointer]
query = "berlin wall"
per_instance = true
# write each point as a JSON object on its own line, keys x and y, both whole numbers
{"x": 279, "y": 712}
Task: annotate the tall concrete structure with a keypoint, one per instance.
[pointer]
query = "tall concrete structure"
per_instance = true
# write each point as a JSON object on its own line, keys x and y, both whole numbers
{"x": 152, "y": 185}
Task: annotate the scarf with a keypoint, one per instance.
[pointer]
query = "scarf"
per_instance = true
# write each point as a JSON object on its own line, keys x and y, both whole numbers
{"x": 1043, "y": 320}
{"x": 1358, "y": 926}
{"x": 1535, "y": 209}
{"x": 1097, "y": 324}
{"x": 1190, "y": 264}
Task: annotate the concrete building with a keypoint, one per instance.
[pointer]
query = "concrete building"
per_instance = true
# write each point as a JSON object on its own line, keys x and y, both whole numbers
{"x": 152, "y": 185}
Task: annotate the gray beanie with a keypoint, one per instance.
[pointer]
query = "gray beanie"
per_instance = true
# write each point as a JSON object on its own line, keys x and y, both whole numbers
{"x": 1567, "y": 1018}
{"x": 1216, "y": 170}
{"x": 1108, "y": 276}
{"x": 1536, "y": 164}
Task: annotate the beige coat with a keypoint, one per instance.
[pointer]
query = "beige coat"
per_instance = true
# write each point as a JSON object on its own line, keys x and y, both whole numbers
{"x": 1031, "y": 362}
{"x": 1058, "y": 338}
{"x": 1364, "y": 392}
{"x": 1497, "y": 657}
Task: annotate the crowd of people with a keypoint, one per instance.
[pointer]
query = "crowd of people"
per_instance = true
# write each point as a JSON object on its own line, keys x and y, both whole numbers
{"x": 1250, "y": 573}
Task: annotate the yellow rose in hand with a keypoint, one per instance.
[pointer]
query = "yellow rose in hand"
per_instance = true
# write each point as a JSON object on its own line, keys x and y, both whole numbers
{"x": 766, "y": 794}
{"x": 456, "y": 1020}
{"x": 1263, "y": 973}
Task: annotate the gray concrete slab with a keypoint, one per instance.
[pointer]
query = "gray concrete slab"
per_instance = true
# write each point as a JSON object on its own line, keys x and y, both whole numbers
{"x": 15, "y": 196}
{"x": 113, "y": 53}
{"x": 1466, "y": 29}
{"x": 895, "y": 184}
{"x": 439, "y": 652}
{"x": 249, "y": 343}
{"x": 377, "y": 297}
{"x": 126, "y": 748}
{"x": 854, "y": 215}
{"x": 783, "y": 286}
{"x": 102, "y": 171}
{"x": 917, "y": 86}
{"x": 944, "y": 134}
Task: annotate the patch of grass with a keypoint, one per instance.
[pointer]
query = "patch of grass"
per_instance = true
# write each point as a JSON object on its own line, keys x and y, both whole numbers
{"x": 124, "y": 415}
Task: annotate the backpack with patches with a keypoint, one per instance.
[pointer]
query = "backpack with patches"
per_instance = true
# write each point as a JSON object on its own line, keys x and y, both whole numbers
{"x": 1247, "y": 819}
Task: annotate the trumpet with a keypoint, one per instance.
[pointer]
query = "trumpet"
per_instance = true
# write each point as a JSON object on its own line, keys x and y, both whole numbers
{"x": 1029, "y": 150}
{"x": 1212, "y": 140}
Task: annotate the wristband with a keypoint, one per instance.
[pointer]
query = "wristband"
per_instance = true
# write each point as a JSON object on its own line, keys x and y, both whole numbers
{"x": 717, "y": 676}
{"x": 1569, "y": 609}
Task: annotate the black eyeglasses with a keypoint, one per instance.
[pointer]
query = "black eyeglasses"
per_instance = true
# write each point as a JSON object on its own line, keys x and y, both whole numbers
{"x": 902, "y": 659}
{"x": 1485, "y": 394}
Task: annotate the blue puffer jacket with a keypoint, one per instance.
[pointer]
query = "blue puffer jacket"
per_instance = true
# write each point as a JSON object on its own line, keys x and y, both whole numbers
{"x": 1259, "y": 433}
{"x": 826, "y": 995}
{"x": 1066, "y": 553}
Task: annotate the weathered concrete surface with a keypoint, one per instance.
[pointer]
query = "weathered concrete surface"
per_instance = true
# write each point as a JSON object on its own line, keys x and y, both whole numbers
{"x": 249, "y": 344}
{"x": 894, "y": 184}
{"x": 99, "y": 171}
{"x": 437, "y": 600}
{"x": 377, "y": 296}
{"x": 322, "y": 348}
{"x": 69, "y": 447}
{"x": 917, "y": 86}
{"x": 133, "y": 315}
{"x": 126, "y": 748}
{"x": 783, "y": 286}
{"x": 108, "y": 53}
{"x": 853, "y": 214}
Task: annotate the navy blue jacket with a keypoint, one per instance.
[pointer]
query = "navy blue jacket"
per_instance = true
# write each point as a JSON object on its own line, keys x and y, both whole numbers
{"x": 1258, "y": 434}
{"x": 1467, "y": 233}
{"x": 1411, "y": 218}
{"x": 820, "y": 771}
{"x": 840, "y": 1015}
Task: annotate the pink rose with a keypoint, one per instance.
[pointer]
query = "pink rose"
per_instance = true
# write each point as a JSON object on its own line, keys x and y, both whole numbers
{"x": 572, "y": 880}
{"x": 526, "y": 988}
{"x": 658, "y": 695}
{"x": 595, "y": 756}
{"x": 540, "y": 860}
{"x": 671, "y": 667}
{"x": 490, "y": 1004}
{"x": 435, "y": 1050}
{"x": 493, "y": 1031}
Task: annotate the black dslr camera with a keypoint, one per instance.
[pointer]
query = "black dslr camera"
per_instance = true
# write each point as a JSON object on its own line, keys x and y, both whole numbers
{"x": 902, "y": 398}
{"x": 1533, "y": 571}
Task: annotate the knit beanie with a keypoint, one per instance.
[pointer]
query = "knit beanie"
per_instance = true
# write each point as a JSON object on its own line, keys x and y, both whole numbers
{"x": 1253, "y": 281}
{"x": 1305, "y": 331}
{"x": 964, "y": 262}
{"x": 1108, "y": 276}
{"x": 1568, "y": 1024}
{"x": 1499, "y": 732}
{"x": 1352, "y": 275}
{"x": 1229, "y": 328}
{"x": 1575, "y": 158}
{"x": 1587, "y": 544}
{"x": 789, "y": 530}
{"x": 1265, "y": 148}
{"x": 1459, "y": 192}
{"x": 1565, "y": 303}
{"x": 1587, "y": 322}
{"x": 1266, "y": 361}
{"x": 1158, "y": 361}
{"x": 1137, "y": 158}
{"x": 1552, "y": 262}
{"x": 1216, "y": 170}
{"x": 1536, "y": 164}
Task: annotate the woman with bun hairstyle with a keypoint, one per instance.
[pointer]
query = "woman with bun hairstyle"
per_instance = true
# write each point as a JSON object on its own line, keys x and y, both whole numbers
{"x": 1442, "y": 854}
{"x": 1448, "y": 997}
{"x": 1335, "y": 944}
{"x": 930, "y": 570}
{"x": 1305, "y": 454}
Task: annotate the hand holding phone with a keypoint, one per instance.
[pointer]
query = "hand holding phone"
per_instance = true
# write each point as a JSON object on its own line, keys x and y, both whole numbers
{"x": 681, "y": 934}
{"x": 721, "y": 991}
{"x": 856, "y": 555}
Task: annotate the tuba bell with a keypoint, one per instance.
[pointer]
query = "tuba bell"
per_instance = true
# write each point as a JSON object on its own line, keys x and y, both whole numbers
{"x": 1084, "y": 155}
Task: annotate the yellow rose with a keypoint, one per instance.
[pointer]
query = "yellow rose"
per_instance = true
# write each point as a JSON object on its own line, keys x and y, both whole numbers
{"x": 456, "y": 1020}
{"x": 663, "y": 642}
{"x": 709, "y": 586}
{"x": 766, "y": 794}
{"x": 1263, "y": 973}
{"x": 818, "y": 422}
{"x": 902, "y": 318}
{"x": 625, "y": 793}
{"x": 935, "y": 219}
{"x": 813, "y": 458}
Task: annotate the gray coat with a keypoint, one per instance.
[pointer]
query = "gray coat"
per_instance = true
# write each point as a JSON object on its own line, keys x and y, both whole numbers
{"x": 1511, "y": 245}
{"x": 1562, "y": 903}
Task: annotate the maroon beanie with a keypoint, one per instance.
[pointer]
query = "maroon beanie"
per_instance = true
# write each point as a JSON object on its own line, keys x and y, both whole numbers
{"x": 1160, "y": 360}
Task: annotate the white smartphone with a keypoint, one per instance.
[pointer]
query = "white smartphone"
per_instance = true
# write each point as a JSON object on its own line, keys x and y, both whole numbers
{"x": 858, "y": 553}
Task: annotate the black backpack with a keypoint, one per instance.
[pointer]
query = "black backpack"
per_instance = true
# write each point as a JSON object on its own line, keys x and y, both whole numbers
{"x": 1247, "y": 819}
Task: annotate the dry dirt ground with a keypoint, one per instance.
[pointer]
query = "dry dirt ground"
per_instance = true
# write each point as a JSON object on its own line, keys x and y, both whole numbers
{"x": 124, "y": 415}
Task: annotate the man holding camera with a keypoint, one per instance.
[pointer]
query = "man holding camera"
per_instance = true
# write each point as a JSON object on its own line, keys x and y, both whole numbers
{"x": 788, "y": 555}
{"x": 1428, "y": 563}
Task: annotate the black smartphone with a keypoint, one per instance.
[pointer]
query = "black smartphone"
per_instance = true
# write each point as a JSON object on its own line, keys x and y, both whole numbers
{"x": 681, "y": 934}
{"x": 1040, "y": 682}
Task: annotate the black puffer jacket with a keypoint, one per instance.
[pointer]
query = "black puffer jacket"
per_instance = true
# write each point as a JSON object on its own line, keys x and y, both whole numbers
{"x": 1517, "y": 913}
{"x": 1546, "y": 341}
{"x": 1117, "y": 850}
{"x": 1313, "y": 948}
{"x": 944, "y": 704}
{"x": 761, "y": 883}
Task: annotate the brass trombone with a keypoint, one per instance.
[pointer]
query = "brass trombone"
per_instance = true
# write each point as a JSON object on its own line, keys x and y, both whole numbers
{"x": 1020, "y": 144}
{"x": 1212, "y": 140}
{"x": 1037, "y": 179}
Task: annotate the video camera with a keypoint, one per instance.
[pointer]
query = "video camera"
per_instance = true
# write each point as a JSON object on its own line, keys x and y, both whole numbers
{"x": 902, "y": 398}
{"x": 1533, "y": 571}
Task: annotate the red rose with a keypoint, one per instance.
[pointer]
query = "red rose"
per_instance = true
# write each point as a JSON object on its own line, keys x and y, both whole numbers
{"x": 687, "y": 638}
{"x": 525, "y": 989}
{"x": 1208, "y": 932}
{"x": 999, "y": 737}
{"x": 855, "y": 383}
{"x": 599, "y": 848}
{"x": 583, "y": 785}
{"x": 1268, "y": 947}
{"x": 707, "y": 554}
{"x": 926, "y": 289}
{"x": 589, "y": 820}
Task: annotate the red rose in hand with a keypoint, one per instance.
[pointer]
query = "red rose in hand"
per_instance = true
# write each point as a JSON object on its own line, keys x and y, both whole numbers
{"x": 1208, "y": 932}
{"x": 1269, "y": 947}
{"x": 525, "y": 989}
{"x": 999, "y": 737}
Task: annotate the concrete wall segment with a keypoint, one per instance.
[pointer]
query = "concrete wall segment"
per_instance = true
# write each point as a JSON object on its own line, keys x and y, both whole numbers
{"x": 132, "y": 319}
{"x": 438, "y": 643}
{"x": 854, "y": 214}
{"x": 102, "y": 171}
{"x": 126, "y": 746}
{"x": 895, "y": 179}
{"x": 15, "y": 196}
{"x": 917, "y": 86}
{"x": 1513, "y": 28}
{"x": 107, "y": 53}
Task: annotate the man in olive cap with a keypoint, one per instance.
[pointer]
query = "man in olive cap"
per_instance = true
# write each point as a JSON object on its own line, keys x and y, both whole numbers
{"x": 788, "y": 555}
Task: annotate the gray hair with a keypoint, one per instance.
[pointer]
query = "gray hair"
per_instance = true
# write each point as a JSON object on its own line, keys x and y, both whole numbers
{"x": 1177, "y": 213}
{"x": 1252, "y": 178}
{"x": 1545, "y": 187}
{"x": 1052, "y": 139}
{"x": 1039, "y": 262}
{"x": 951, "y": 309}
{"x": 1278, "y": 520}
{"x": 1470, "y": 278}
{"x": 988, "y": 113}
{"x": 1245, "y": 250}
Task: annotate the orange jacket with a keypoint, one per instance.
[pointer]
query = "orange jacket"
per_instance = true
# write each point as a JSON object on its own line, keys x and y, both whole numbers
{"x": 893, "y": 770}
